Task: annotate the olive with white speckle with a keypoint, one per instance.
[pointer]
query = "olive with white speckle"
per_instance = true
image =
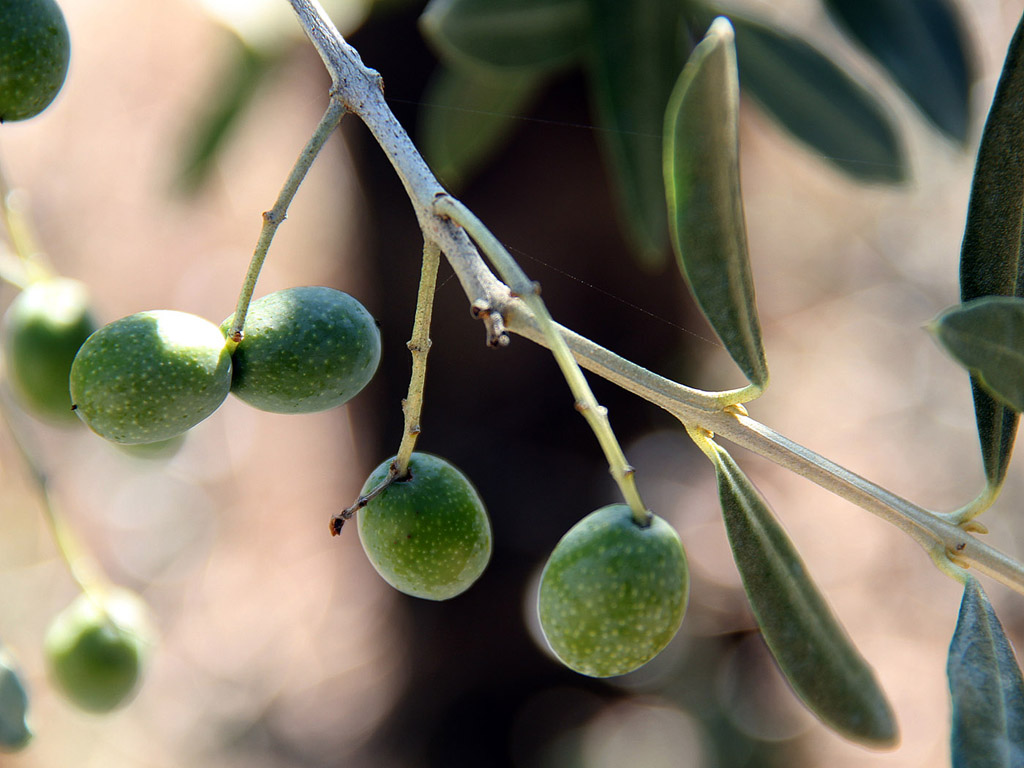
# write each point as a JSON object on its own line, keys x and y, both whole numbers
{"x": 427, "y": 535}
{"x": 150, "y": 376}
{"x": 613, "y": 593}
{"x": 35, "y": 50}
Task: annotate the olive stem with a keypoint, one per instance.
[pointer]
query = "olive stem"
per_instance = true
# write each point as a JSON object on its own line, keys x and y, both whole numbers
{"x": 529, "y": 291}
{"x": 419, "y": 347}
{"x": 83, "y": 569}
{"x": 360, "y": 89}
{"x": 19, "y": 232}
{"x": 273, "y": 218}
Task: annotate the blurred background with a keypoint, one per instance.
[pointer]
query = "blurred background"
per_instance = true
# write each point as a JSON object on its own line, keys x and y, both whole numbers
{"x": 280, "y": 647}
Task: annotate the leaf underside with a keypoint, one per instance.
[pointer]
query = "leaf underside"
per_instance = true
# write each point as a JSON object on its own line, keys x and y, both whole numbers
{"x": 817, "y": 102}
{"x": 986, "y": 336}
{"x": 811, "y": 648}
{"x": 986, "y": 688}
{"x": 990, "y": 258}
{"x": 705, "y": 207}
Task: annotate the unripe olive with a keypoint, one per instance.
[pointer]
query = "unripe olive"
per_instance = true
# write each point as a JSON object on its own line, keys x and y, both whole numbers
{"x": 304, "y": 349}
{"x": 150, "y": 376}
{"x": 427, "y": 535}
{"x": 42, "y": 331}
{"x": 613, "y": 592}
{"x": 97, "y": 647}
{"x": 34, "y": 53}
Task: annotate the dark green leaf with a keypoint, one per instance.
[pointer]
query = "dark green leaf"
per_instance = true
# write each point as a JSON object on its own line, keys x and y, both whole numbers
{"x": 990, "y": 256}
{"x": 243, "y": 73}
{"x": 705, "y": 209}
{"x": 923, "y": 45}
{"x": 811, "y": 648}
{"x": 986, "y": 336}
{"x": 525, "y": 35}
{"x": 14, "y": 730}
{"x": 466, "y": 115}
{"x": 986, "y": 686}
{"x": 636, "y": 54}
{"x": 818, "y": 102}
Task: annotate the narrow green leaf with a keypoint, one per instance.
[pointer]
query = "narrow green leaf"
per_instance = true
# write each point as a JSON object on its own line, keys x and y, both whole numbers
{"x": 817, "y": 102}
{"x": 14, "y": 730}
{"x": 986, "y": 336}
{"x": 467, "y": 114}
{"x": 705, "y": 209}
{"x": 811, "y": 648}
{"x": 990, "y": 255}
{"x": 243, "y": 72}
{"x": 524, "y": 35}
{"x": 923, "y": 46}
{"x": 986, "y": 687}
{"x": 636, "y": 52}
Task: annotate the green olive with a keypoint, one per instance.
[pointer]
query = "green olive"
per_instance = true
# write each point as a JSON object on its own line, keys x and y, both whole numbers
{"x": 150, "y": 376}
{"x": 613, "y": 592}
{"x": 42, "y": 331}
{"x": 304, "y": 349}
{"x": 428, "y": 535}
{"x": 35, "y": 50}
{"x": 96, "y": 649}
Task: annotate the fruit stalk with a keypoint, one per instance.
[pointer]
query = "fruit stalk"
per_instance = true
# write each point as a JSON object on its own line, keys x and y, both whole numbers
{"x": 84, "y": 572}
{"x": 419, "y": 347}
{"x": 273, "y": 218}
{"x": 529, "y": 291}
{"x": 19, "y": 233}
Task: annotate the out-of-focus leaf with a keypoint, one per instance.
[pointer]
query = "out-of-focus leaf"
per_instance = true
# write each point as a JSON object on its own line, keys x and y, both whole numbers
{"x": 267, "y": 24}
{"x": 524, "y": 35}
{"x": 923, "y": 46}
{"x": 705, "y": 209}
{"x": 14, "y": 730}
{"x": 986, "y": 686}
{"x": 467, "y": 114}
{"x": 244, "y": 71}
{"x": 990, "y": 255}
{"x": 986, "y": 336}
{"x": 811, "y": 648}
{"x": 637, "y": 50}
{"x": 817, "y": 102}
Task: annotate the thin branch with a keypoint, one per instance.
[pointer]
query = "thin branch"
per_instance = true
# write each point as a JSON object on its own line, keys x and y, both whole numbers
{"x": 360, "y": 89}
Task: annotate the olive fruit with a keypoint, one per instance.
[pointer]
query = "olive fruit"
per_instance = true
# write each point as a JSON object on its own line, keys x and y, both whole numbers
{"x": 34, "y": 53}
{"x": 96, "y": 649}
{"x": 428, "y": 535}
{"x": 15, "y": 733}
{"x": 613, "y": 593}
{"x": 42, "y": 331}
{"x": 303, "y": 350}
{"x": 150, "y": 376}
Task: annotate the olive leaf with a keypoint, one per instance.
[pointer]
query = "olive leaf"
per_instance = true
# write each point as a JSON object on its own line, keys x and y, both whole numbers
{"x": 523, "y": 35}
{"x": 990, "y": 255}
{"x": 986, "y": 687}
{"x": 817, "y": 101}
{"x": 14, "y": 730}
{"x": 467, "y": 114}
{"x": 986, "y": 336}
{"x": 808, "y": 643}
{"x": 705, "y": 209}
{"x": 636, "y": 51}
{"x": 923, "y": 46}
{"x": 244, "y": 71}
